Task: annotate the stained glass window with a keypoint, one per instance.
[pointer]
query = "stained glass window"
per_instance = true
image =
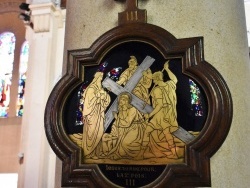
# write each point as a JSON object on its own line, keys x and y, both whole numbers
{"x": 195, "y": 98}
{"x": 22, "y": 78}
{"x": 114, "y": 73}
{"x": 80, "y": 103}
{"x": 7, "y": 47}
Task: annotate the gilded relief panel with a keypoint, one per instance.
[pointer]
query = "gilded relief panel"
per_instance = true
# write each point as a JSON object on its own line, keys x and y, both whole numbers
{"x": 135, "y": 107}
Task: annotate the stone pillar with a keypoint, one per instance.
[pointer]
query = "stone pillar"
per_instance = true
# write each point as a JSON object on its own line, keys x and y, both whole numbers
{"x": 223, "y": 26}
{"x": 46, "y": 40}
{"x": 247, "y": 11}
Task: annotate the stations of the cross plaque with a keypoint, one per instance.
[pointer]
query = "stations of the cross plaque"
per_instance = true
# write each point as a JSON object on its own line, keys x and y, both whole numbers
{"x": 114, "y": 119}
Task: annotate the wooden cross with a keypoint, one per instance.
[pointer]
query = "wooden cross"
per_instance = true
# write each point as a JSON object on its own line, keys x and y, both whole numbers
{"x": 132, "y": 13}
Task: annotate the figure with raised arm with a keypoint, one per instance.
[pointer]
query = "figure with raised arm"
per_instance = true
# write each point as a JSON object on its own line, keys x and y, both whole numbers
{"x": 164, "y": 115}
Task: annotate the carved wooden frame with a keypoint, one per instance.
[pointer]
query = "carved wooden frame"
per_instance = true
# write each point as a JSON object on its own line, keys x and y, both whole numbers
{"x": 196, "y": 170}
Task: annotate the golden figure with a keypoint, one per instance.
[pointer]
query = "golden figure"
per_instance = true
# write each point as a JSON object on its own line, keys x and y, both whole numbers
{"x": 135, "y": 135}
{"x": 124, "y": 141}
{"x": 125, "y": 76}
{"x": 164, "y": 115}
{"x": 96, "y": 100}
{"x": 141, "y": 89}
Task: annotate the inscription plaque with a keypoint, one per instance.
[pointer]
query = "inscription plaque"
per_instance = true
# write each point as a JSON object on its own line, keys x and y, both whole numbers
{"x": 131, "y": 175}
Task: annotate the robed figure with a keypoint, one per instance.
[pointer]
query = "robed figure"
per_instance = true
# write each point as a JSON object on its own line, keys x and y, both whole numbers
{"x": 96, "y": 100}
{"x": 163, "y": 119}
{"x": 124, "y": 141}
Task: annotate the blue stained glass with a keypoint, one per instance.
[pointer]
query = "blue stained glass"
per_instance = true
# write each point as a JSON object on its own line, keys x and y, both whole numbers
{"x": 102, "y": 67}
{"x": 7, "y": 47}
{"x": 22, "y": 77}
{"x": 114, "y": 73}
{"x": 80, "y": 104}
{"x": 196, "y": 104}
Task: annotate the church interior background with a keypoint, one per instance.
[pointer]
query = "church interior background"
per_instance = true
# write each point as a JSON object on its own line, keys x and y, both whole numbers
{"x": 38, "y": 39}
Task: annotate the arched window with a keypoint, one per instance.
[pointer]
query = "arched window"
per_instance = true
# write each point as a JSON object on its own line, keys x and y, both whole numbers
{"x": 7, "y": 47}
{"x": 22, "y": 77}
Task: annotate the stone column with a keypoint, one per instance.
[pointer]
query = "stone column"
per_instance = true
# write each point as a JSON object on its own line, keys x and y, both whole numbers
{"x": 223, "y": 26}
{"x": 247, "y": 11}
{"x": 45, "y": 67}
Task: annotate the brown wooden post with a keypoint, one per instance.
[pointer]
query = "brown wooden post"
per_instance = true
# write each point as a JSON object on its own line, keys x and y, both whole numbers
{"x": 132, "y": 13}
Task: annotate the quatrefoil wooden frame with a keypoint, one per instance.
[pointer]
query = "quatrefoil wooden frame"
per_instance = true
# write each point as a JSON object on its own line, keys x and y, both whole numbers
{"x": 196, "y": 169}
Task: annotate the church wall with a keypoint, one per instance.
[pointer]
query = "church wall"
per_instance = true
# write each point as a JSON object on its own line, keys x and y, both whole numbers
{"x": 10, "y": 128}
{"x": 9, "y": 147}
{"x": 222, "y": 24}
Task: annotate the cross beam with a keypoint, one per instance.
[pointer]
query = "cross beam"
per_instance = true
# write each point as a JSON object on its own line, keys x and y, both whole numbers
{"x": 141, "y": 105}
{"x": 130, "y": 85}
